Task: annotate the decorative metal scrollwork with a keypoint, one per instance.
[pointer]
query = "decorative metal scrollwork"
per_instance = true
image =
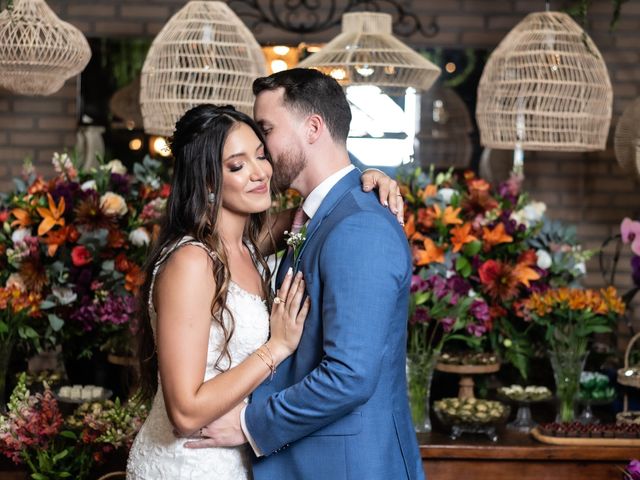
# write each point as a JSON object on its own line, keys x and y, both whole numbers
{"x": 310, "y": 16}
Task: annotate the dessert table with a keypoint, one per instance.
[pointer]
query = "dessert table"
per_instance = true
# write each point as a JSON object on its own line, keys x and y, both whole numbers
{"x": 518, "y": 456}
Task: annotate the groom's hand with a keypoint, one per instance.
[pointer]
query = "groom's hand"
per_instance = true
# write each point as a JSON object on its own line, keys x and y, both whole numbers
{"x": 222, "y": 432}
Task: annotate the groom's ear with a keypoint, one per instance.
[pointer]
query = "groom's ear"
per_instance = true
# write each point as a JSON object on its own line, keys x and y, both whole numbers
{"x": 315, "y": 127}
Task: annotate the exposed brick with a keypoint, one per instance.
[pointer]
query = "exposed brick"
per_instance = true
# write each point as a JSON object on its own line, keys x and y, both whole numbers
{"x": 57, "y": 123}
{"x": 11, "y": 155}
{"x": 16, "y": 123}
{"x": 626, "y": 40}
{"x": 484, "y": 6}
{"x": 91, "y": 10}
{"x": 119, "y": 28}
{"x": 482, "y": 39}
{"x": 4, "y": 105}
{"x": 624, "y": 89}
{"x": 614, "y": 185}
{"x": 131, "y": 12}
{"x": 503, "y": 22}
{"x": 34, "y": 138}
{"x": 43, "y": 105}
{"x": 464, "y": 21}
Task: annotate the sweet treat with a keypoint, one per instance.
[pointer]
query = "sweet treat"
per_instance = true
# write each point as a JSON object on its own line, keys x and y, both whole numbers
{"x": 81, "y": 392}
{"x": 530, "y": 393}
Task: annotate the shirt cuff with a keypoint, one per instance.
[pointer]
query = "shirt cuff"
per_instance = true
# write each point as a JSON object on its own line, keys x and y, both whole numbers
{"x": 243, "y": 425}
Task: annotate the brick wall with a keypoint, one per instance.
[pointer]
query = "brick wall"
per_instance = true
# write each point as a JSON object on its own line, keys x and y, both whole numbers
{"x": 586, "y": 189}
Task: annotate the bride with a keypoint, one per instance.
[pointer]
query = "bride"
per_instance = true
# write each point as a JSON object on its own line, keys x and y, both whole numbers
{"x": 207, "y": 339}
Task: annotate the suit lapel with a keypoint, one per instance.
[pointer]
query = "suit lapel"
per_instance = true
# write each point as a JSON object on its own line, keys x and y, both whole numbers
{"x": 340, "y": 189}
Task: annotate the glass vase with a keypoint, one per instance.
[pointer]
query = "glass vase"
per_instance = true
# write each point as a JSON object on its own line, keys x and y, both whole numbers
{"x": 567, "y": 367}
{"x": 420, "y": 368}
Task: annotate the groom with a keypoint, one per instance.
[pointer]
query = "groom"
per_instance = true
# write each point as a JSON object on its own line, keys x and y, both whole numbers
{"x": 337, "y": 408}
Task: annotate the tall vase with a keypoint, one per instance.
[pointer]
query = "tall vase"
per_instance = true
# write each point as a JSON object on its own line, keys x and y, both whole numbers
{"x": 419, "y": 374}
{"x": 567, "y": 367}
{"x": 6, "y": 347}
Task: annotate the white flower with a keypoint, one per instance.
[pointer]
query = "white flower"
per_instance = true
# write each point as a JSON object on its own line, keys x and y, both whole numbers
{"x": 89, "y": 185}
{"x": 471, "y": 293}
{"x": 113, "y": 204}
{"x": 446, "y": 194}
{"x": 19, "y": 235}
{"x": 64, "y": 295}
{"x": 116, "y": 166}
{"x": 534, "y": 211}
{"x": 140, "y": 237}
{"x": 544, "y": 259}
{"x": 581, "y": 268}
{"x": 15, "y": 280}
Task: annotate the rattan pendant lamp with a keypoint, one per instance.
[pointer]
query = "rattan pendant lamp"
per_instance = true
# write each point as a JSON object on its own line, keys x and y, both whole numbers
{"x": 444, "y": 138}
{"x": 38, "y": 51}
{"x": 627, "y": 139}
{"x": 204, "y": 54}
{"x": 545, "y": 87}
{"x": 367, "y": 53}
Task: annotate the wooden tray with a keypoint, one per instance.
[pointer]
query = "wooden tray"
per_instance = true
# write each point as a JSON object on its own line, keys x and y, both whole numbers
{"x": 604, "y": 442}
{"x": 467, "y": 369}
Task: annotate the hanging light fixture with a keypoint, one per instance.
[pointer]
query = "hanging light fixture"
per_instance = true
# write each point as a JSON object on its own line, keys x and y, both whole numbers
{"x": 545, "y": 87}
{"x": 367, "y": 53}
{"x": 38, "y": 51}
{"x": 444, "y": 138}
{"x": 204, "y": 54}
{"x": 626, "y": 140}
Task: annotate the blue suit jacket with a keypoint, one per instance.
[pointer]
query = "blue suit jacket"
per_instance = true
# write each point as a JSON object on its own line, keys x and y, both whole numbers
{"x": 338, "y": 408}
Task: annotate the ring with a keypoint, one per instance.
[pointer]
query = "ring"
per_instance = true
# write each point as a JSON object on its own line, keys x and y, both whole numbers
{"x": 201, "y": 435}
{"x": 399, "y": 194}
{"x": 278, "y": 300}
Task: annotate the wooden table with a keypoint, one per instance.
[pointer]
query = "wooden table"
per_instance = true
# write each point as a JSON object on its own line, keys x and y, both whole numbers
{"x": 518, "y": 456}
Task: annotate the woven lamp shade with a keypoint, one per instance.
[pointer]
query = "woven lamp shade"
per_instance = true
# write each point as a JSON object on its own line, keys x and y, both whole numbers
{"x": 545, "y": 87}
{"x": 125, "y": 103}
{"x": 367, "y": 53}
{"x": 627, "y": 138}
{"x": 204, "y": 54}
{"x": 445, "y": 127}
{"x": 38, "y": 51}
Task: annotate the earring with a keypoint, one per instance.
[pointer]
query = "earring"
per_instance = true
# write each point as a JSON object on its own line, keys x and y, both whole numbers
{"x": 212, "y": 197}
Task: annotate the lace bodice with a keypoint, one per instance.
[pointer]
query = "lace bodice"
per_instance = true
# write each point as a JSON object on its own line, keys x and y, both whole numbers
{"x": 156, "y": 452}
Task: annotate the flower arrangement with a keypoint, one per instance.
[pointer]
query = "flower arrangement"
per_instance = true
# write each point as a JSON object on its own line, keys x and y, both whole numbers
{"x": 34, "y": 432}
{"x": 486, "y": 250}
{"x": 570, "y": 317}
{"x": 71, "y": 249}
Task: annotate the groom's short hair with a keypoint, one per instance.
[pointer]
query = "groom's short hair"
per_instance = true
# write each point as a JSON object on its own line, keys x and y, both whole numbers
{"x": 308, "y": 92}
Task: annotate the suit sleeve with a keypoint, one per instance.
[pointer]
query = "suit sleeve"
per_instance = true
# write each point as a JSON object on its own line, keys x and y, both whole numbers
{"x": 363, "y": 267}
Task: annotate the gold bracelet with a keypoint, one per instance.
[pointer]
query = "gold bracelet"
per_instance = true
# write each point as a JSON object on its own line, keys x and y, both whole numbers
{"x": 273, "y": 362}
{"x": 271, "y": 367}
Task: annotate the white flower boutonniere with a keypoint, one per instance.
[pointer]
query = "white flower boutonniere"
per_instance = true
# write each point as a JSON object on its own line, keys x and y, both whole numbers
{"x": 296, "y": 240}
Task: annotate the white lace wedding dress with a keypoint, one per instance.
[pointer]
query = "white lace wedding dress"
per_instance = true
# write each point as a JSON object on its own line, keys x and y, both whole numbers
{"x": 156, "y": 453}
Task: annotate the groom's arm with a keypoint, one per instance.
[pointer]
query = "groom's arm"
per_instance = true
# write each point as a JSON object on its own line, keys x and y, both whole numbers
{"x": 363, "y": 266}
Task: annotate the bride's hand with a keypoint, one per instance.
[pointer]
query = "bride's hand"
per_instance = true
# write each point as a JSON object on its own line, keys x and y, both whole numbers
{"x": 288, "y": 314}
{"x": 388, "y": 191}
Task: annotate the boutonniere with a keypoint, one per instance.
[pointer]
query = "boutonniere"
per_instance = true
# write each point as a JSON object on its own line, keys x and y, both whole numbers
{"x": 296, "y": 240}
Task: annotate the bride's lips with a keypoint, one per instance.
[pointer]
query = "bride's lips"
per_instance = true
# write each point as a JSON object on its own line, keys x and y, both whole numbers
{"x": 261, "y": 189}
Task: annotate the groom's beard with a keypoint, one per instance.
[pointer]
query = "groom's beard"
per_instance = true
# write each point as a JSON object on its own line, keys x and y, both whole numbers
{"x": 287, "y": 167}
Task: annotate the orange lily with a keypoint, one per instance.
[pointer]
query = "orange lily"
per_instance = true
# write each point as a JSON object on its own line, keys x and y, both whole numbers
{"x": 449, "y": 216}
{"x": 431, "y": 253}
{"x": 23, "y": 219}
{"x": 429, "y": 191}
{"x": 524, "y": 273}
{"x": 410, "y": 226}
{"x": 55, "y": 238}
{"x": 460, "y": 236}
{"x": 495, "y": 236}
{"x": 51, "y": 216}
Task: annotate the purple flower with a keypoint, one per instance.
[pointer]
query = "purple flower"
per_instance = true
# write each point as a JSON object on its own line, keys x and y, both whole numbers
{"x": 459, "y": 285}
{"x": 67, "y": 190}
{"x": 480, "y": 310}
{"x": 421, "y": 315}
{"x": 439, "y": 286}
{"x": 85, "y": 315}
{"x": 120, "y": 184}
{"x": 418, "y": 284}
{"x": 116, "y": 310}
{"x": 476, "y": 329}
{"x": 633, "y": 469}
{"x": 447, "y": 323}
{"x": 635, "y": 270}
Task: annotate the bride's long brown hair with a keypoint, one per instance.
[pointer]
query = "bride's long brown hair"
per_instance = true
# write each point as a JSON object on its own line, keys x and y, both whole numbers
{"x": 197, "y": 147}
